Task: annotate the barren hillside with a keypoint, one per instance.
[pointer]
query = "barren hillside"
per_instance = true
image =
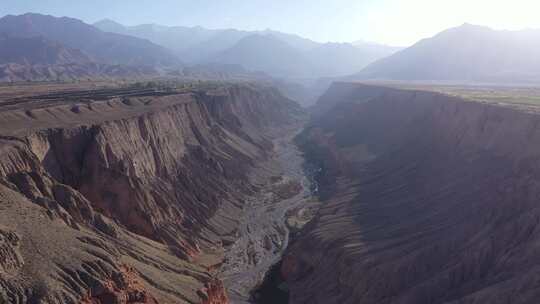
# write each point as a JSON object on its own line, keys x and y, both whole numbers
{"x": 428, "y": 198}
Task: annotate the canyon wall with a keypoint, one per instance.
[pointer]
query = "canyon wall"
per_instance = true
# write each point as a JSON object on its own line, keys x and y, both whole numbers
{"x": 128, "y": 199}
{"x": 428, "y": 198}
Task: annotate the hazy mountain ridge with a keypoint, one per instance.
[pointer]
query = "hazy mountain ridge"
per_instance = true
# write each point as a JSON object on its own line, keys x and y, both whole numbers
{"x": 183, "y": 39}
{"x": 36, "y": 47}
{"x": 51, "y": 42}
{"x": 37, "y": 50}
{"x": 465, "y": 53}
{"x": 104, "y": 47}
{"x": 278, "y": 53}
{"x": 266, "y": 53}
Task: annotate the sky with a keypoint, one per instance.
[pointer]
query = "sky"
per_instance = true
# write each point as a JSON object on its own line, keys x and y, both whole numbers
{"x": 391, "y": 22}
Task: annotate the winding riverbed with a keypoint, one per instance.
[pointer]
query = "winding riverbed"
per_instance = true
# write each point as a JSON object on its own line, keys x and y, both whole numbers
{"x": 263, "y": 236}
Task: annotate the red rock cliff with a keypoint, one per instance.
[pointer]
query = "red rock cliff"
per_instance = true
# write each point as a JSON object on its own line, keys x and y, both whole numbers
{"x": 144, "y": 181}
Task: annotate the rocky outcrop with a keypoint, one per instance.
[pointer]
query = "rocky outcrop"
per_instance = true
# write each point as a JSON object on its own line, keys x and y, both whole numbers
{"x": 214, "y": 293}
{"x": 10, "y": 256}
{"x": 138, "y": 188}
{"x": 124, "y": 287}
{"x": 428, "y": 199}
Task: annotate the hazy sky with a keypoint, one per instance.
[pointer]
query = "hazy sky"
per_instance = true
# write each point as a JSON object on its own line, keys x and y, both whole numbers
{"x": 394, "y": 22}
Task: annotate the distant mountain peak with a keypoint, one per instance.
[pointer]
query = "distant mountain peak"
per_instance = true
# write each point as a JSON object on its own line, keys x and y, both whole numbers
{"x": 468, "y": 28}
{"x": 109, "y": 25}
{"x": 109, "y": 22}
{"x": 466, "y": 53}
{"x": 29, "y": 17}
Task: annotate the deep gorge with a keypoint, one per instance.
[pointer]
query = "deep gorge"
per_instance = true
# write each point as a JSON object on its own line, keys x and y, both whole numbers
{"x": 392, "y": 195}
{"x": 427, "y": 198}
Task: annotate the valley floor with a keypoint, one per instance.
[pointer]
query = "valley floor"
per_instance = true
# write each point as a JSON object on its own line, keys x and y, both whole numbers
{"x": 263, "y": 235}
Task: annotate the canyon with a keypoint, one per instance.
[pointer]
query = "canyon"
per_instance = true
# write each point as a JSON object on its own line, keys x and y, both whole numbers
{"x": 226, "y": 164}
{"x": 426, "y": 198}
{"x": 122, "y": 195}
{"x": 218, "y": 193}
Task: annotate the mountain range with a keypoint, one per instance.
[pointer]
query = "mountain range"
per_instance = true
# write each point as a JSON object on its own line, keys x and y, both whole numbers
{"x": 32, "y": 42}
{"x": 39, "y": 59}
{"x": 195, "y": 44}
{"x": 279, "y": 54}
{"x": 43, "y": 47}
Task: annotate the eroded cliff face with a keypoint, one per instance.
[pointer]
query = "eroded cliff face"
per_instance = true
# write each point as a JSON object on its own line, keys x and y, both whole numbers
{"x": 428, "y": 199}
{"x": 127, "y": 200}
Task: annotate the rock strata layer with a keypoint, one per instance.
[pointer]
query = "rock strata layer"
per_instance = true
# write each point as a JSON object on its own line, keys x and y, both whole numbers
{"x": 126, "y": 199}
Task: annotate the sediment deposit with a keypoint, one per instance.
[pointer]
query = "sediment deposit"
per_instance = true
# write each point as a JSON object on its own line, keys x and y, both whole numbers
{"x": 262, "y": 235}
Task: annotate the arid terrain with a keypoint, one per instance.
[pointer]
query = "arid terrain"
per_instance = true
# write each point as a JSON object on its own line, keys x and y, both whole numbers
{"x": 263, "y": 236}
{"x": 427, "y": 198}
{"x": 115, "y": 195}
{"x": 269, "y": 152}
{"x": 118, "y": 193}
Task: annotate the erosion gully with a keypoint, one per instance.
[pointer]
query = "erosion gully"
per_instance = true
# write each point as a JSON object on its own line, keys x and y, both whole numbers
{"x": 263, "y": 234}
